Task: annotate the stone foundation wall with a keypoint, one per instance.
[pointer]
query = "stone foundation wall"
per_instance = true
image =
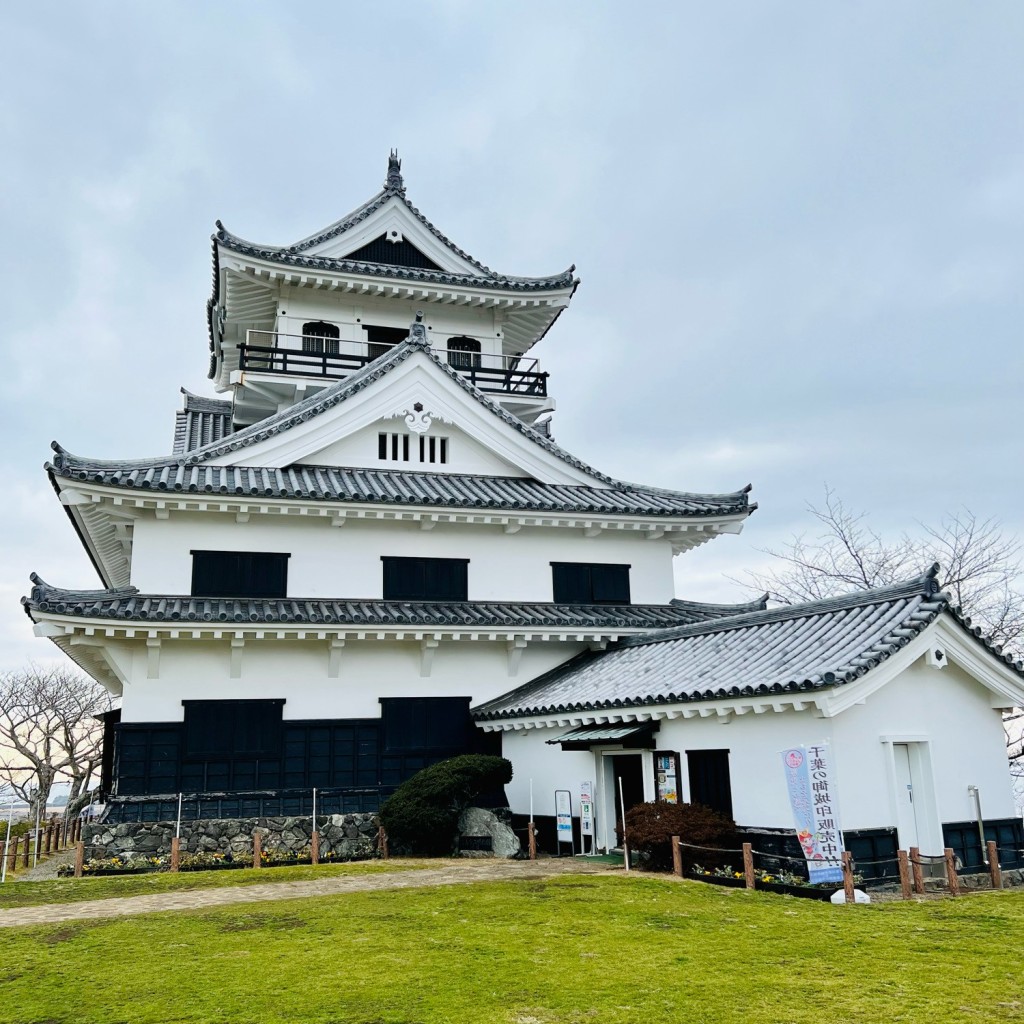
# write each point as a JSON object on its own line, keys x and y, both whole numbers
{"x": 342, "y": 836}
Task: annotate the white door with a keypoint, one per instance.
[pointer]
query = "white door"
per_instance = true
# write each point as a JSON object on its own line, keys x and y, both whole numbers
{"x": 906, "y": 808}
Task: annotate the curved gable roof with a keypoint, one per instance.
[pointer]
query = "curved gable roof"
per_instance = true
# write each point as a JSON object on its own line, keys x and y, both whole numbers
{"x": 790, "y": 649}
{"x": 299, "y": 253}
{"x": 190, "y": 470}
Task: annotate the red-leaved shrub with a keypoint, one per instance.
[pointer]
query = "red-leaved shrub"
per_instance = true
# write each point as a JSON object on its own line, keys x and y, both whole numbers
{"x": 650, "y": 828}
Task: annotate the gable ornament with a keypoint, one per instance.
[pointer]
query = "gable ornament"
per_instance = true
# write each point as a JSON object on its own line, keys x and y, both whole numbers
{"x": 418, "y": 419}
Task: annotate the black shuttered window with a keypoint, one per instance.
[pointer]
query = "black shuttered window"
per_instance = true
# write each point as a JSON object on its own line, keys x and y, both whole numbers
{"x": 426, "y": 579}
{"x": 589, "y": 583}
{"x": 239, "y": 574}
{"x": 232, "y": 728}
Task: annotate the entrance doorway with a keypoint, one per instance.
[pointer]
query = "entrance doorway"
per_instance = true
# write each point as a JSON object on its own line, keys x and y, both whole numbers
{"x": 629, "y": 769}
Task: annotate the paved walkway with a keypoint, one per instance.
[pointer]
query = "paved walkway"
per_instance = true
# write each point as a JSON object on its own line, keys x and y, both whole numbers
{"x": 46, "y": 869}
{"x": 202, "y": 899}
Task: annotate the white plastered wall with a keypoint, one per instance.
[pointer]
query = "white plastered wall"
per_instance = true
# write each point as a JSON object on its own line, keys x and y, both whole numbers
{"x": 300, "y": 305}
{"x": 297, "y": 670}
{"x": 332, "y": 562}
{"x": 945, "y": 709}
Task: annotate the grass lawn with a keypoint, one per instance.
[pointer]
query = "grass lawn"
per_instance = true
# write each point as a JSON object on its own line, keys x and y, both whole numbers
{"x": 603, "y": 949}
{"x": 74, "y": 890}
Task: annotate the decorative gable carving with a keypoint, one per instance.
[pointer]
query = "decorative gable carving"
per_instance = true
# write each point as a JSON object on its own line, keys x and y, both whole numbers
{"x": 418, "y": 419}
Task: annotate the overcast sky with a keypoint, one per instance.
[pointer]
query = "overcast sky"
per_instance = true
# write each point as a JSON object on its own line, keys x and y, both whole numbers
{"x": 799, "y": 229}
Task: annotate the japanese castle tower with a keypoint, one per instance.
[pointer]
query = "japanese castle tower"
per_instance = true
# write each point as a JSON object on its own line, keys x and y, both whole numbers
{"x": 369, "y": 533}
{"x": 369, "y": 554}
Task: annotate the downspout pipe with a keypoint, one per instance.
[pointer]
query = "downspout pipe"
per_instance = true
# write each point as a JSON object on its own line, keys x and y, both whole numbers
{"x": 976, "y": 793}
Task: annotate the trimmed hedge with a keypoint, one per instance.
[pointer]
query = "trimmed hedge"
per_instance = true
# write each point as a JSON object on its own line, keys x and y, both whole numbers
{"x": 422, "y": 816}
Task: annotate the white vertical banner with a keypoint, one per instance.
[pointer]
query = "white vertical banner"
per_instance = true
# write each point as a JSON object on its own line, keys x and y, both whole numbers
{"x": 586, "y": 808}
{"x": 813, "y": 798}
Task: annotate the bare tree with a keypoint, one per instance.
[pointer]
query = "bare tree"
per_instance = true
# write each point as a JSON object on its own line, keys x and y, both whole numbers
{"x": 980, "y": 566}
{"x": 49, "y": 730}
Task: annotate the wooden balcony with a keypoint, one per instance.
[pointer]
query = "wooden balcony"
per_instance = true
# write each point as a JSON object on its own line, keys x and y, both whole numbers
{"x": 291, "y": 355}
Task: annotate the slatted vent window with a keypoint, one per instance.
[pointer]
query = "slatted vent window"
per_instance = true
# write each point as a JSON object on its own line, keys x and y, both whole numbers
{"x": 426, "y": 579}
{"x": 589, "y": 583}
{"x": 239, "y": 574}
{"x": 393, "y": 447}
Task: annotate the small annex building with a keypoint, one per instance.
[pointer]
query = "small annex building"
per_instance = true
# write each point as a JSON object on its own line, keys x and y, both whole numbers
{"x": 369, "y": 553}
{"x": 904, "y": 691}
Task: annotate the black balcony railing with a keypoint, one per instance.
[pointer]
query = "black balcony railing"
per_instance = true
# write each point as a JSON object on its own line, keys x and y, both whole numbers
{"x": 506, "y": 379}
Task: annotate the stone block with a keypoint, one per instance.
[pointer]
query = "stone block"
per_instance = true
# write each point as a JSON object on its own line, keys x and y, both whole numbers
{"x": 477, "y": 821}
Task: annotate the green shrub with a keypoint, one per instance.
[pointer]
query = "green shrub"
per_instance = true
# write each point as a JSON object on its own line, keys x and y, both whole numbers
{"x": 650, "y": 828}
{"x": 421, "y": 817}
{"x": 17, "y": 830}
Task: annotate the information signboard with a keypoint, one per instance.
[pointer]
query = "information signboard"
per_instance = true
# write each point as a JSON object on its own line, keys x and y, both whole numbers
{"x": 563, "y": 818}
{"x": 666, "y": 775}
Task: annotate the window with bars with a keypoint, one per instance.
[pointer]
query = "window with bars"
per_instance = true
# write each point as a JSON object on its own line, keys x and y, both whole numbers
{"x": 318, "y": 336}
{"x": 394, "y": 447}
{"x": 464, "y": 353}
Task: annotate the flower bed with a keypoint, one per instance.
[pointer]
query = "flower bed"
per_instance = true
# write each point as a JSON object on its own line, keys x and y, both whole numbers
{"x": 129, "y": 865}
{"x": 784, "y": 883}
{"x": 116, "y": 866}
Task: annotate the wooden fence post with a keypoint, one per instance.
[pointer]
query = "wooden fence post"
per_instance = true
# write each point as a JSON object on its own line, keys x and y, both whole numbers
{"x": 26, "y": 850}
{"x": 257, "y": 849}
{"x": 677, "y": 857}
{"x": 993, "y": 865}
{"x": 748, "y": 865}
{"x": 385, "y": 850}
{"x": 848, "y": 877}
{"x": 531, "y": 841}
{"x": 175, "y": 853}
{"x": 952, "y": 880}
{"x": 915, "y": 865}
{"x": 12, "y": 856}
{"x": 314, "y": 847}
{"x": 904, "y": 873}
{"x": 79, "y": 859}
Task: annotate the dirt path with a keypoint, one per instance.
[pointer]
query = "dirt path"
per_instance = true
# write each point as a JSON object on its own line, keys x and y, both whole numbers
{"x": 460, "y": 872}
{"x": 45, "y": 870}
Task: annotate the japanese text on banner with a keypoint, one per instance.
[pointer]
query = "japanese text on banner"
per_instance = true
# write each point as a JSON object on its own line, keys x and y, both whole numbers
{"x": 812, "y": 796}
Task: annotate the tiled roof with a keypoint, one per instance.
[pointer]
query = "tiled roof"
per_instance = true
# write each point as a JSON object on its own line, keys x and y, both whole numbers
{"x": 394, "y": 188}
{"x": 188, "y": 473}
{"x": 780, "y": 650}
{"x": 128, "y": 603}
{"x": 201, "y": 422}
{"x": 394, "y": 487}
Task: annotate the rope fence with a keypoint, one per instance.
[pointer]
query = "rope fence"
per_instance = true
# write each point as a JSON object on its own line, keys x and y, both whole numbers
{"x": 913, "y": 868}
